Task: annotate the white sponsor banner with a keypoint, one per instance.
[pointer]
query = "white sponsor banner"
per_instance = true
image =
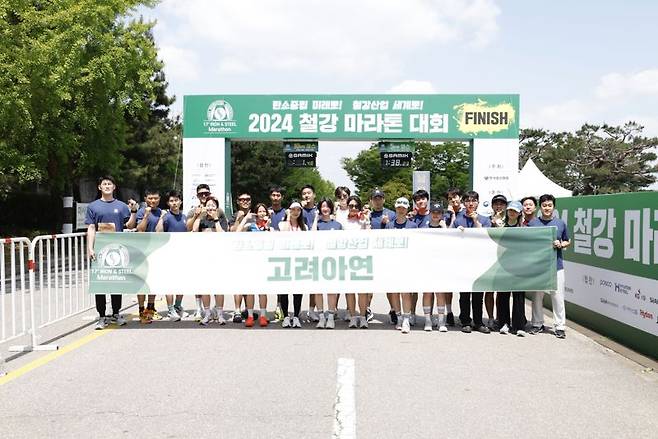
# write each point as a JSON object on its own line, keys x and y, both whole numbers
{"x": 377, "y": 261}
{"x": 623, "y": 297}
{"x": 495, "y": 169}
{"x": 203, "y": 162}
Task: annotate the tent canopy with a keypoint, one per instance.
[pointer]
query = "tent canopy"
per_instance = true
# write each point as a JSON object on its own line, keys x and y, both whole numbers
{"x": 532, "y": 182}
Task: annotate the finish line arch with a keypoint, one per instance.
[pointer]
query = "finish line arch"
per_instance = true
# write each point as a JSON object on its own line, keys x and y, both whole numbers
{"x": 489, "y": 122}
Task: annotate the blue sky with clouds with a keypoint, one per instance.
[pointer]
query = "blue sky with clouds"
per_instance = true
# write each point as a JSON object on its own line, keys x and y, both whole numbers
{"x": 571, "y": 61}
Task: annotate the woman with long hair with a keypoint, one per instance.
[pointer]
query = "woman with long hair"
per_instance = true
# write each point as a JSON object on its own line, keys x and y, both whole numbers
{"x": 294, "y": 223}
{"x": 357, "y": 219}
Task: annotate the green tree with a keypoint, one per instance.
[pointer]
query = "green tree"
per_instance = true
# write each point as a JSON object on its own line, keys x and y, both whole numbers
{"x": 596, "y": 159}
{"x": 72, "y": 71}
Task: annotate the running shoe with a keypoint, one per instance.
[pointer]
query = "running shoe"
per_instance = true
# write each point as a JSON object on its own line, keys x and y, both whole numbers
{"x": 313, "y": 316}
{"x": 322, "y": 322}
{"x": 180, "y": 311}
{"x": 249, "y": 322}
{"x": 198, "y": 315}
{"x": 207, "y": 316}
{"x": 483, "y": 329}
{"x": 237, "y": 317}
{"x": 347, "y": 317}
{"x": 353, "y": 323}
{"x": 117, "y": 319}
{"x": 331, "y": 323}
{"x": 412, "y": 320}
{"x": 398, "y": 325}
{"x": 296, "y": 323}
{"x": 559, "y": 333}
{"x": 173, "y": 315}
{"x": 406, "y": 325}
{"x": 363, "y": 323}
{"x": 154, "y": 314}
{"x": 369, "y": 314}
{"x": 428, "y": 324}
{"x": 504, "y": 329}
{"x": 278, "y": 314}
{"x": 145, "y": 317}
{"x": 220, "y": 318}
{"x": 443, "y": 328}
{"x": 466, "y": 329}
{"x": 536, "y": 330}
{"x": 392, "y": 317}
{"x": 100, "y": 324}
{"x": 450, "y": 319}
{"x": 521, "y": 333}
{"x": 262, "y": 321}
{"x": 286, "y": 322}
{"x": 491, "y": 323}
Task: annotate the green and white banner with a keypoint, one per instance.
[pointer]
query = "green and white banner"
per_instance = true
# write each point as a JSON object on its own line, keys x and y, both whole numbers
{"x": 376, "y": 261}
{"x": 350, "y": 117}
{"x": 611, "y": 267}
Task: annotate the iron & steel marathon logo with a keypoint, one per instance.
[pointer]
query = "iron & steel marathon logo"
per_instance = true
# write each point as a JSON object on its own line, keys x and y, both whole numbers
{"x": 113, "y": 263}
{"x": 220, "y": 118}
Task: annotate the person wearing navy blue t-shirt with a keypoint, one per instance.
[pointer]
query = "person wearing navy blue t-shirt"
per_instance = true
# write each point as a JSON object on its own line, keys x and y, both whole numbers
{"x": 147, "y": 220}
{"x": 276, "y": 210}
{"x": 547, "y": 207}
{"x": 108, "y": 215}
{"x": 471, "y": 219}
{"x": 421, "y": 213}
{"x": 173, "y": 221}
{"x": 379, "y": 215}
{"x": 309, "y": 212}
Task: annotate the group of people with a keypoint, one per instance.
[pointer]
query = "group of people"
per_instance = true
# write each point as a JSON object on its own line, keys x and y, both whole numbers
{"x": 344, "y": 212}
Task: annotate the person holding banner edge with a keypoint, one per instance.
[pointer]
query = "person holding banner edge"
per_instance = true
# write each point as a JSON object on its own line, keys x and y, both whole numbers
{"x": 108, "y": 214}
{"x": 147, "y": 220}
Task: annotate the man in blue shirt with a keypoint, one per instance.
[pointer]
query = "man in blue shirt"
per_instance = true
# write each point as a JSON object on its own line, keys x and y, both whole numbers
{"x": 379, "y": 215}
{"x": 108, "y": 214}
{"x": 471, "y": 219}
{"x": 172, "y": 221}
{"x": 421, "y": 213}
{"x": 455, "y": 208}
{"x": 547, "y": 206}
{"x": 310, "y": 211}
{"x": 276, "y": 210}
{"x": 147, "y": 220}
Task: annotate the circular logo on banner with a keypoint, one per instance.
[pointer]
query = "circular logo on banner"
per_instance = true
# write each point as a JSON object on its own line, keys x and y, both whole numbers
{"x": 220, "y": 111}
{"x": 113, "y": 256}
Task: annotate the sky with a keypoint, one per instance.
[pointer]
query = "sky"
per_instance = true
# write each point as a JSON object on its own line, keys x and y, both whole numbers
{"x": 571, "y": 62}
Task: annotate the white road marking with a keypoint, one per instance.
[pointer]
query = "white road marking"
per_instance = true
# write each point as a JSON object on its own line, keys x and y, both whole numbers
{"x": 344, "y": 406}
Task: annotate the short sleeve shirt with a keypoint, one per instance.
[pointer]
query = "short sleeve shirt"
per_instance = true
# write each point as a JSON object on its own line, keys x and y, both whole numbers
{"x": 562, "y": 234}
{"x": 377, "y": 216}
{"x": 468, "y": 223}
{"x": 174, "y": 222}
{"x": 277, "y": 217}
{"x": 408, "y": 224}
{"x": 329, "y": 225}
{"x": 309, "y": 215}
{"x": 152, "y": 219}
{"x": 422, "y": 221}
{"x": 115, "y": 211}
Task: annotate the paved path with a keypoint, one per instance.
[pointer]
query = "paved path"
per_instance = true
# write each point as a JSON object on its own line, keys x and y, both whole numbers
{"x": 179, "y": 380}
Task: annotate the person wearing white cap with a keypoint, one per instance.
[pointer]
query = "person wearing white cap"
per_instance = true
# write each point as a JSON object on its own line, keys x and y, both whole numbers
{"x": 293, "y": 223}
{"x": 402, "y": 222}
{"x": 518, "y": 320}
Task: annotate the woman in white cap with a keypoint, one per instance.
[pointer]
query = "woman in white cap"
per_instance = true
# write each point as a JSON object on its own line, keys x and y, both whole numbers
{"x": 294, "y": 223}
{"x": 356, "y": 220}
{"x": 402, "y": 222}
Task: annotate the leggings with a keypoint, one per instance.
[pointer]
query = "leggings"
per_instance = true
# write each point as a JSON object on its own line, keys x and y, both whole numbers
{"x": 100, "y": 303}
{"x": 296, "y": 303}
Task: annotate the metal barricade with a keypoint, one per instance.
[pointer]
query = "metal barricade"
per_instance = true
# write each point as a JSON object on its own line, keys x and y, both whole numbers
{"x": 59, "y": 281}
{"x": 15, "y": 319}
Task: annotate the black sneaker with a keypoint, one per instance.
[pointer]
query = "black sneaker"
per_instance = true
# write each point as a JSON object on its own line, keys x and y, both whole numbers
{"x": 559, "y": 333}
{"x": 369, "y": 315}
{"x": 450, "y": 319}
{"x": 536, "y": 330}
{"x": 483, "y": 329}
{"x": 237, "y": 317}
{"x": 466, "y": 329}
{"x": 244, "y": 314}
{"x": 393, "y": 317}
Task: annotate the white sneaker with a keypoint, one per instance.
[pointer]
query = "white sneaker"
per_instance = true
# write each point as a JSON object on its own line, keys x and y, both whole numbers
{"x": 398, "y": 325}
{"x": 322, "y": 322}
{"x": 504, "y": 329}
{"x": 412, "y": 319}
{"x": 100, "y": 324}
{"x": 220, "y": 318}
{"x": 363, "y": 323}
{"x": 286, "y": 322}
{"x": 198, "y": 315}
{"x": 406, "y": 326}
{"x": 296, "y": 323}
{"x": 118, "y": 320}
{"x": 313, "y": 315}
{"x": 428, "y": 324}
{"x": 331, "y": 323}
{"x": 521, "y": 333}
{"x": 347, "y": 317}
{"x": 173, "y": 315}
{"x": 353, "y": 323}
{"x": 207, "y": 316}
{"x": 180, "y": 311}
{"x": 443, "y": 328}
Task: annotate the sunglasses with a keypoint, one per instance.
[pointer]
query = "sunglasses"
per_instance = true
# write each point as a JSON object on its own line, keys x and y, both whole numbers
{"x": 353, "y": 206}
{"x": 244, "y": 199}
{"x": 202, "y": 194}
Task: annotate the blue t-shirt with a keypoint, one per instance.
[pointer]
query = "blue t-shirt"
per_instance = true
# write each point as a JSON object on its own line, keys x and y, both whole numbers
{"x": 174, "y": 222}
{"x": 376, "y": 218}
{"x": 408, "y": 224}
{"x": 562, "y": 234}
{"x": 448, "y": 218}
{"x": 329, "y": 225}
{"x": 422, "y": 221}
{"x": 462, "y": 220}
{"x": 152, "y": 220}
{"x": 309, "y": 215}
{"x": 115, "y": 211}
{"x": 277, "y": 217}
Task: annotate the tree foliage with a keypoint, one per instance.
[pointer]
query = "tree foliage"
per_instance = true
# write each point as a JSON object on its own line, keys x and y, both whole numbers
{"x": 448, "y": 163}
{"x": 596, "y": 159}
{"x": 72, "y": 72}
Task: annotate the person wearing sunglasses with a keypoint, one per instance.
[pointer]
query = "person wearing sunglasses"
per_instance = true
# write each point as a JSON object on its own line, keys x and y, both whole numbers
{"x": 244, "y": 208}
{"x": 310, "y": 213}
{"x": 341, "y": 211}
{"x": 210, "y": 221}
{"x": 202, "y": 193}
{"x": 357, "y": 219}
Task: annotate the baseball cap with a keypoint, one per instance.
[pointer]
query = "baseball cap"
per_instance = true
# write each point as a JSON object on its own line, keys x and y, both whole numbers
{"x": 377, "y": 193}
{"x": 403, "y": 202}
{"x": 295, "y": 204}
{"x": 515, "y": 205}
{"x": 499, "y": 197}
{"x": 436, "y": 207}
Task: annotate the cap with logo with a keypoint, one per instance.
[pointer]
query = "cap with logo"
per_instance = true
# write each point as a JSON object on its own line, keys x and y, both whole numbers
{"x": 436, "y": 207}
{"x": 515, "y": 205}
{"x": 377, "y": 193}
{"x": 402, "y": 202}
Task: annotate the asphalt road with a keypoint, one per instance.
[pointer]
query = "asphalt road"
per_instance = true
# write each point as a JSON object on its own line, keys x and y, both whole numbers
{"x": 180, "y": 380}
